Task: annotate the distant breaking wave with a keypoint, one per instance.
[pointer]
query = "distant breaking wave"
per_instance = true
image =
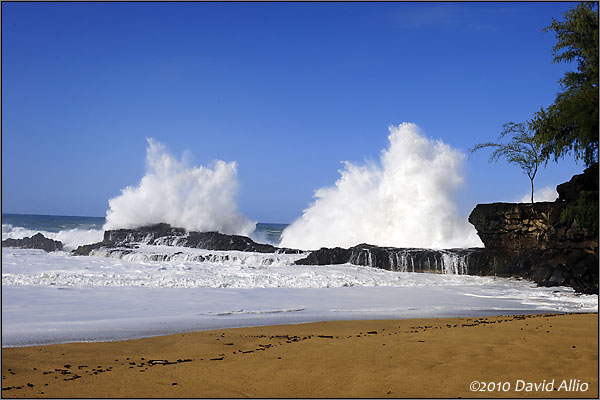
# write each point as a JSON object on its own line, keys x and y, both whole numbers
{"x": 194, "y": 198}
{"x": 404, "y": 201}
{"x": 70, "y": 238}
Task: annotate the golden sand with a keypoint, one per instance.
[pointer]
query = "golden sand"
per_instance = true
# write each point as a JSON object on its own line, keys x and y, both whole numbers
{"x": 512, "y": 356}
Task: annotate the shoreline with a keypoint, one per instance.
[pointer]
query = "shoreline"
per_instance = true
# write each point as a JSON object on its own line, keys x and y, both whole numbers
{"x": 438, "y": 357}
{"x": 499, "y": 313}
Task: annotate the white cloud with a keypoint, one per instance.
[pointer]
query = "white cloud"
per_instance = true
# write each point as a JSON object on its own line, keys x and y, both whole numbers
{"x": 547, "y": 193}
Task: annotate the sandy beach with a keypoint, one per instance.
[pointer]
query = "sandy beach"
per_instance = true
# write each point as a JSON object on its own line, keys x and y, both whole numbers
{"x": 549, "y": 355}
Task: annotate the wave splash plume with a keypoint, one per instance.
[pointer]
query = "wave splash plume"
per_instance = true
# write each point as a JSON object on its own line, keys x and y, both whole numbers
{"x": 404, "y": 201}
{"x": 194, "y": 198}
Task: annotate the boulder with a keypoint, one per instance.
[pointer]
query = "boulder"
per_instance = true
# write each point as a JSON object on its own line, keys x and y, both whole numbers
{"x": 37, "y": 241}
{"x": 542, "y": 274}
{"x": 326, "y": 256}
{"x": 558, "y": 277}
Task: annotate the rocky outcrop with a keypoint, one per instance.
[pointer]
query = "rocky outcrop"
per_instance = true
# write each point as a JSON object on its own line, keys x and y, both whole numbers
{"x": 164, "y": 234}
{"x": 517, "y": 227}
{"x": 37, "y": 241}
{"x": 588, "y": 181}
{"x": 473, "y": 261}
{"x": 397, "y": 259}
{"x": 533, "y": 242}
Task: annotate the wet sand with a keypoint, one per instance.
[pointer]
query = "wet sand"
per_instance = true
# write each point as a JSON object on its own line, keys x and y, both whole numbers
{"x": 545, "y": 355}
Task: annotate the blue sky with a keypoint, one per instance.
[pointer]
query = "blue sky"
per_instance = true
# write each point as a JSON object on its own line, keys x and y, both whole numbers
{"x": 287, "y": 90}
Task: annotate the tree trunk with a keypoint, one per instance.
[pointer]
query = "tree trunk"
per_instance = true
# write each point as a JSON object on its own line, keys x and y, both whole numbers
{"x": 531, "y": 191}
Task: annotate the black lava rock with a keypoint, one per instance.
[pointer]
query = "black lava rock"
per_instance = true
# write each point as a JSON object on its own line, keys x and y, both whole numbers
{"x": 164, "y": 234}
{"x": 538, "y": 242}
{"x": 37, "y": 241}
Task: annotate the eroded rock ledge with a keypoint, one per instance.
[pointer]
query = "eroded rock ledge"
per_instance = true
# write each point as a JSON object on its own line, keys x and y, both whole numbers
{"x": 165, "y": 234}
{"x": 531, "y": 241}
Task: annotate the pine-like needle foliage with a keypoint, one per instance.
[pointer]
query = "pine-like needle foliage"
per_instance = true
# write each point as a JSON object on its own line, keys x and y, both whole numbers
{"x": 570, "y": 124}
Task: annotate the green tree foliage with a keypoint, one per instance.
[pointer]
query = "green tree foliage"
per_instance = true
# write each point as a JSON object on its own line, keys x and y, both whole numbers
{"x": 522, "y": 149}
{"x": 584, "y": 210}
{"x": 570, "y": 124}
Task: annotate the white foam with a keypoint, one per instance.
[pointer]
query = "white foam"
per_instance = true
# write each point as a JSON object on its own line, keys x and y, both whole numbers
{"x": 16, "y": 232}
{"x": 70, "y": 238}
{"x": 55, "y": 297}
{"x": 404, "y": 201}
{"x": 194, "y": 198}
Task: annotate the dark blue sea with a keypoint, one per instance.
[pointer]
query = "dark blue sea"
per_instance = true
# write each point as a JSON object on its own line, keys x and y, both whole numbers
{"x": 21, "y": 225}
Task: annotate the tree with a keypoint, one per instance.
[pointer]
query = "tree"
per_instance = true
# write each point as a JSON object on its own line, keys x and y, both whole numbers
{"x": 571, "y": 122}
{"x": 522, "y": 150}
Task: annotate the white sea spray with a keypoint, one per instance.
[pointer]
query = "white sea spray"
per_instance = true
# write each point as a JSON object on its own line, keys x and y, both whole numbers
{"x": 70, "y": 238}
{"x": 405, "y": 200}
{"x": 192, "y": 197}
